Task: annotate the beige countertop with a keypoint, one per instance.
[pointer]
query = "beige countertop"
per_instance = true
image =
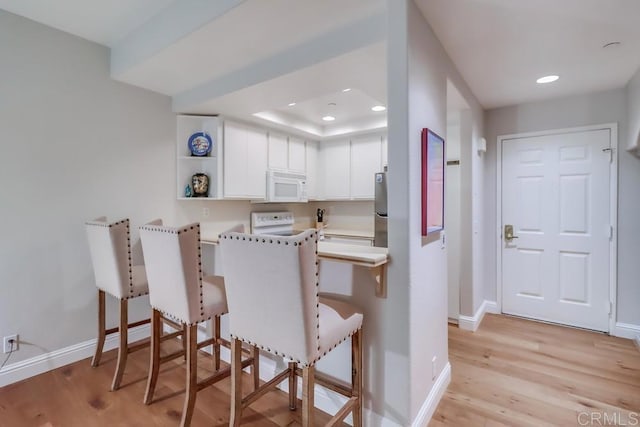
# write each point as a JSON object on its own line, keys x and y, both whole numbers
{"x": 342, "y": 232}
{"x": 363, "y": 255}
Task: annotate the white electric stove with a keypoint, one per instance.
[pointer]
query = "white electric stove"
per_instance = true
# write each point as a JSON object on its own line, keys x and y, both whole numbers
{"x": 273, "y": 223}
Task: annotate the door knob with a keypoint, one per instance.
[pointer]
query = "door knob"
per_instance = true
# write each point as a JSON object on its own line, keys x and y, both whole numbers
{"x": 508, "y": 233}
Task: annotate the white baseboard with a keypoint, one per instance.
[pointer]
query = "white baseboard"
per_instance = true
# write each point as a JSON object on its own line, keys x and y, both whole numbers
{"x": 28, "y": 368}
{"x": 471, "y": 323}
{"x": 628, "y": 331}
{"x": 491, "y": 307}
{"x": 430, "y": 404}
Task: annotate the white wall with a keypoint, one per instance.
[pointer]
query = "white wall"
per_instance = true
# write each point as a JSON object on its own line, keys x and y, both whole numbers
{"x": 582, "y": 110}
{"x": 628, "y": 209}
{"x": 74, "y": 145}
{"x": 453, "y": 213}
{"x": 417, "y": 81}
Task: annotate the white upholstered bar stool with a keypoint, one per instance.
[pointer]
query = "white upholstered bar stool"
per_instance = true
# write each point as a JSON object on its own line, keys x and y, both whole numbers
{"x": 178, "y": 289}
{"x": 272, "y": 294}
{"x": 110, "y": 248}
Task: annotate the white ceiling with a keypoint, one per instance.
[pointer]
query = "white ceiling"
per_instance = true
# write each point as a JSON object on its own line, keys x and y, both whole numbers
{"x": 241, "y": 57}
{"x": 104, "y": 22}
{"x": 363, "y": 70}
{"x": 502, "y": 46}
{"x": 249, "y": 33}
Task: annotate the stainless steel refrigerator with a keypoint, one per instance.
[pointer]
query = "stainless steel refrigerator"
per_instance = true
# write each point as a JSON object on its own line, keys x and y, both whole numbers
{"x": 380, "y": 206}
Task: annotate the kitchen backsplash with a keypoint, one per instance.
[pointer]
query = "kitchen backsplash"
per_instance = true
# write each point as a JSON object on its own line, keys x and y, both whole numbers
{"x": 219, "y": 215}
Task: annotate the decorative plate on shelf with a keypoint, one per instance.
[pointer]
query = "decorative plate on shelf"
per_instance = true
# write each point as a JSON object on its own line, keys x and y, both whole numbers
{"x": 200, "y": 144}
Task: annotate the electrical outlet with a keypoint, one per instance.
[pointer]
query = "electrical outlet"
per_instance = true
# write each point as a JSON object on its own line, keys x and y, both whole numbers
{"x": 7, "y": 344}
{"x": 433, "y": 368}
{"x": 205, "y": 212}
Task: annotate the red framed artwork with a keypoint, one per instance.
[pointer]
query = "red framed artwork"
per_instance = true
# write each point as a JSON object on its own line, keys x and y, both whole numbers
{"x": 432, "y": 182}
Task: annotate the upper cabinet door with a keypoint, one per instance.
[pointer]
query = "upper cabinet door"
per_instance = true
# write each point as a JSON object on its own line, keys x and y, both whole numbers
{"x": 235, "y": 160}
{"x": 313, "y": 175}
{"x": 278, "y": 151}
{"x": 336, "y": 159}
{"x": 257, "y": 148}
{"x": 297, "y": 155}
{"x": 366, "y": 160}
{"x": 245, "y": 161}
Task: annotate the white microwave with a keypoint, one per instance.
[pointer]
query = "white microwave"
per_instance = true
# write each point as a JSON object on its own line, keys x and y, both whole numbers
{"x": 283, "y": 186}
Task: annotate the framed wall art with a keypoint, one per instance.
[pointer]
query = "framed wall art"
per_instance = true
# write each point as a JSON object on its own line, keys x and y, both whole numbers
{"x": 433, "y": 168}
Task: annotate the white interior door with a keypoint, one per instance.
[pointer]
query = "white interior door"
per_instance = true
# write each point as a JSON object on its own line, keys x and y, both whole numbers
{"x": 555, "y": 193}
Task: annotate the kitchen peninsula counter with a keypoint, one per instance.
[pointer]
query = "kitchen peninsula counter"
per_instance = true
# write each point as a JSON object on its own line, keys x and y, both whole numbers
{"x": 364, "y": 256}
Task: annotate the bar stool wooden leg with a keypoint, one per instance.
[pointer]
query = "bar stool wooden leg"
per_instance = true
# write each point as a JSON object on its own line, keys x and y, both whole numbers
{"x": 123, "y": 347}
{"x": 184, "y": 341}
{"x": 154, "y": 360}
{"x": 101, "y": 329}
{"x": 216, "y": 345}
{"x": 236, "y": 383}
{"x": 192, "y": 375}
{"x": 293, "y": 386}
{"x": 356, "y": 377}
{"x": 308, "y": 373}
{"x": 255, "y": 366}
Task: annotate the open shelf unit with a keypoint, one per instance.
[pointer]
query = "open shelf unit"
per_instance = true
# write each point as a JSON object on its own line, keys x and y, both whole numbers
{"x": 188, "y": 165}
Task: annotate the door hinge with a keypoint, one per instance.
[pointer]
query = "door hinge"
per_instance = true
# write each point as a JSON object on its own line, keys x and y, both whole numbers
{"x": 610, "y": 308}
{"x": 610, "y": 232}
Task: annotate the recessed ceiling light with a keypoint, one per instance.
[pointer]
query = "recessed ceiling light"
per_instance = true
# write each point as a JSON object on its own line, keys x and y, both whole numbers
{"x": 378, "y": 108}
{"x": 547, "y": 79}
{"x": 291, "y": 104}
{"x": 328, "y": 118}
{"x": 346, "y": 90}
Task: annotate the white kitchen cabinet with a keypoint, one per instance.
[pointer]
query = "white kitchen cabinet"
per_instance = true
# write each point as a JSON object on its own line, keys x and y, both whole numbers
{"x": 278, "y": 151}
{"x": 188, "y": 165}
{"x": 245, "y": 161}
{"x": 257, "y": 145}
{"x": 297, "y": 155}
{"x": 366, "y": 160}
{"x": 287, "y": 153}
{"x": 313, "y": 175}
{"x": 336, "y": 169}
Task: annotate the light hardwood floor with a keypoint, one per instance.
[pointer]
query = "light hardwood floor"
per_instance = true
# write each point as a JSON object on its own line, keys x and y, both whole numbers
{"x": 78, "y": 395}
{"x": 511, "y": 372}
{"x": 515, "y": 372}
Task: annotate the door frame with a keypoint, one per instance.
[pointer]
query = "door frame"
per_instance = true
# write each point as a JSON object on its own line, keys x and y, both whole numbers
{"x": 613, "y": 208}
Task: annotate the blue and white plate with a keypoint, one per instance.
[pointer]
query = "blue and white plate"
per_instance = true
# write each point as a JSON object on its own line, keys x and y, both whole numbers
{"x": 200, "y": 144}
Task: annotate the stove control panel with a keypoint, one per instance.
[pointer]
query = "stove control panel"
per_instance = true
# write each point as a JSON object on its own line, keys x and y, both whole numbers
{"x": 270, "y": 219}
